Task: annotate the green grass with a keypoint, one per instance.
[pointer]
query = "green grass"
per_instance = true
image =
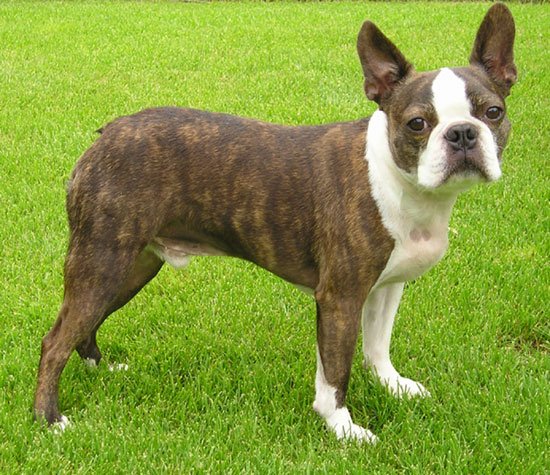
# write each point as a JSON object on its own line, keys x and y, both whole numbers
{"x": 222, "y": 356}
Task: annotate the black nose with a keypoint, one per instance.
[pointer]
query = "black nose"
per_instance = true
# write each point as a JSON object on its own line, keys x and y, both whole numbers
{"x": 462, "y": 136}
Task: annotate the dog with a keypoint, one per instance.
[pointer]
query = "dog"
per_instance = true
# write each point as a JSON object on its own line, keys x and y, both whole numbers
{"x": 346, "y": 211}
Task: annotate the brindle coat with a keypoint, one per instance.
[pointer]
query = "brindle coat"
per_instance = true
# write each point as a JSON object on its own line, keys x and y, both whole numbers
{"x": 294, "y": 200}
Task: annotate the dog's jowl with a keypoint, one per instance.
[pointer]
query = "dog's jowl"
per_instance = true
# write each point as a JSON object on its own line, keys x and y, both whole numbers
{"x": 349, "y": 211}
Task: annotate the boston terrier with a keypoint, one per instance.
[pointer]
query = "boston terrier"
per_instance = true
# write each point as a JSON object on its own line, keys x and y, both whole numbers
{"x": 347, "y": 211}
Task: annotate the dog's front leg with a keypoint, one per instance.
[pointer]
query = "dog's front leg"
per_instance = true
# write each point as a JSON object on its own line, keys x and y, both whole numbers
{"x": 378, "y": 316}
{"x": 337, "y": 330}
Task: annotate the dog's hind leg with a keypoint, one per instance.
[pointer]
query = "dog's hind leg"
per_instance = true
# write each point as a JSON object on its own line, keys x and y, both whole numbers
{"x": 145, "y": 268}
{"x": 95, "y": 273}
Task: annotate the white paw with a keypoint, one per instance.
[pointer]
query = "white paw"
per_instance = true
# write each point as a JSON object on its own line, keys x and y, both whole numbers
{"x": 341, "y": 424}
{"x": 90, "y": 362}
{"x": 59, "y": 427}
{"x": 118, "y": 367}
{"x": 404, "y": 387}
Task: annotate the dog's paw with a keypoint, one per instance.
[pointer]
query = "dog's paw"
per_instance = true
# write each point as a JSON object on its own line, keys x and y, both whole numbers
{"x": 90, "y": 362}
{"x": 118, "y": 367}
{"x": 341, "y": 424}
{"x": 404, "y": 387}
{"x": 61, "y": 425}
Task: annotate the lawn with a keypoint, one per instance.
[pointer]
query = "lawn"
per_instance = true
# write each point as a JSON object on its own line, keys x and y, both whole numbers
{"x": 222, "y": 356}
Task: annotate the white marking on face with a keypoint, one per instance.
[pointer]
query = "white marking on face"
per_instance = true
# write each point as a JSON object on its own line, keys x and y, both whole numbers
{"x": 449, "y": 96}
{"x": 453, "y": 107}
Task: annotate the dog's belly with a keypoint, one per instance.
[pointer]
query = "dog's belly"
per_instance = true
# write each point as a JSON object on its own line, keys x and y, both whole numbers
{"x": 178, "y": 252}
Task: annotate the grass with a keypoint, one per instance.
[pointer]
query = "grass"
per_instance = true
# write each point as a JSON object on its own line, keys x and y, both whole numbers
{"x": 222, "y": 356}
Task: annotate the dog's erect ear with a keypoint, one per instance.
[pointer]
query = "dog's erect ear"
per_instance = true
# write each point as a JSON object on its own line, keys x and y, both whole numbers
{"x": 383, "y": 64}
{"x": 494, "y": 47}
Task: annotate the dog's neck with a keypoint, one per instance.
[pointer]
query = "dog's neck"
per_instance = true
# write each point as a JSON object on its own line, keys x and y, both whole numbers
{"x": 417, "y": 219}
{"x": 404, "y": 205}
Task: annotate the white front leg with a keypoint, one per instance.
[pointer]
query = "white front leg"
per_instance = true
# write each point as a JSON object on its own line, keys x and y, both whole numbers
{"x": 338, "y": 419}
{"x": 378, "y": 316}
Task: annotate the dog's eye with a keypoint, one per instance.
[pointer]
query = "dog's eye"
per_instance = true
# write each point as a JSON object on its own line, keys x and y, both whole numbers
{"x": 418, "y": 124}
{"x": 494, "y": 113}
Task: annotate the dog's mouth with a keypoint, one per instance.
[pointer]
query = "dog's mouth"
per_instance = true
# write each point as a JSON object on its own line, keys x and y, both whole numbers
{"x": 457, "y": 175}
{"x": 469, "y": 169}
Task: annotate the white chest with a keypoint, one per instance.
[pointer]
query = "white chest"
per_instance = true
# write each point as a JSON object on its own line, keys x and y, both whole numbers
{"x": 413, "y": 255}
{"x": 416, "y": 219}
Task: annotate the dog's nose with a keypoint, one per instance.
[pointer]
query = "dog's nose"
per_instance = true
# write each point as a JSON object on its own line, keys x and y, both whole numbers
{"x": 462, "y": 136}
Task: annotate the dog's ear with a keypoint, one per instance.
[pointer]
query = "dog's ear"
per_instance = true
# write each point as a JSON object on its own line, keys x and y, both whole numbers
{"x": 383, "y": 64}
{"x": 493, "y": 48}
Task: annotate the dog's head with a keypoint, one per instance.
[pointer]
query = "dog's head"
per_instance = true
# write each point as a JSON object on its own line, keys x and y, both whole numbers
{"x": 446, "y": 128}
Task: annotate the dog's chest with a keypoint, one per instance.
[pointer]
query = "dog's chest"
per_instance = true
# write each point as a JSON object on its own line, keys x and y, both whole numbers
{"x": 416, "y": 250}
{"x": 417, "y": 221}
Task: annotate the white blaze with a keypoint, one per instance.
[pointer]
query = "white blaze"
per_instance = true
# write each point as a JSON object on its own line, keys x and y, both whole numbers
{"x": 453, "y": 107}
